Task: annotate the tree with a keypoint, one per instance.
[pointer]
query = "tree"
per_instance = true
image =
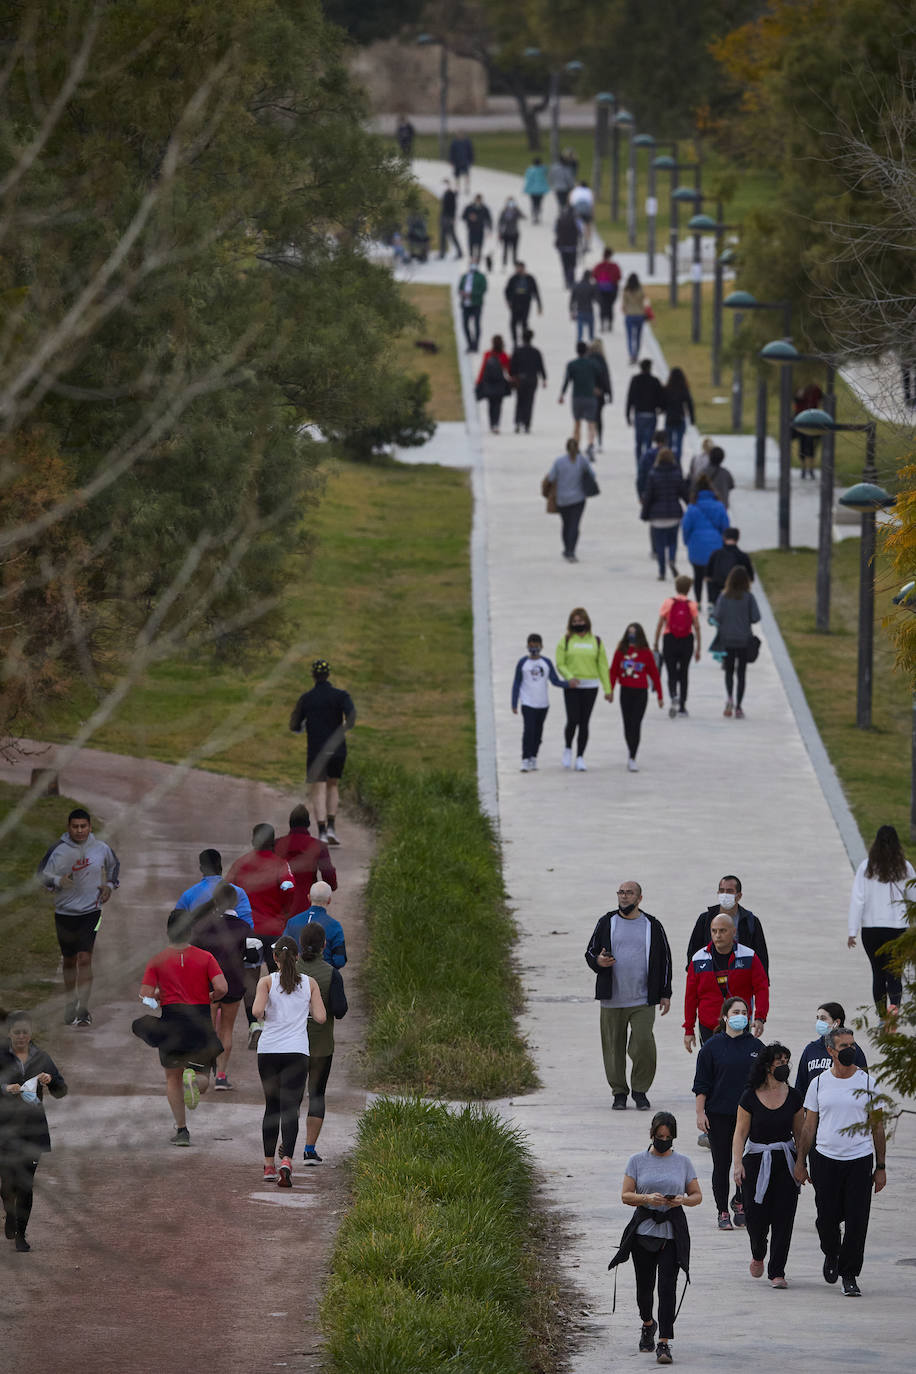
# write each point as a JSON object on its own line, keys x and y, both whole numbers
{"x": 367, "y": 21}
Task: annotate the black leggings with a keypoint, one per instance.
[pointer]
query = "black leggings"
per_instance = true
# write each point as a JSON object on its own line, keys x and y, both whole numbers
{"x": 735, "y": 658}
{"x": 580, "y": 702}
{"x": 16, "y": 1183}
{"x": 699, "y": 573}
{"x": 283, "y": 1078}
{"x": 677, "y": 651}
{"x": 319, "y": 1073}
{"x": 885, "y": 984}
{"x": 495, "y": 404}
{"x": 662, "y": 1264}
{"x": 720, "y": 1133}
{"x": 633, "y": 702}
{"x": 774, "y": 1217}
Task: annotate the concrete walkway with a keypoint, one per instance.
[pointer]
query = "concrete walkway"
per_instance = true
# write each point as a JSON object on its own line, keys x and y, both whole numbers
{"x": 714, "y": 796}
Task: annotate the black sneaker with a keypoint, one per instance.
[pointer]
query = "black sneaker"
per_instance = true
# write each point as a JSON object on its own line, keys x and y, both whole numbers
{"x": 831, "y": 1268}
{"x": 647, "y": 1337}
{"x": 83, "y": 1017}
{"x": 642, "y": 1102}
{"x": 9, "y": 1227}
{"x": 738, "y": 1217}
{"x": 850, "y": 1288}
{"x": 70, "y": 1011}
{"x": 620, "y": 1102}
{"x": 310, "y": 1155}
{"x": 23, "y": 1245}
{"x": 182, "y": 1136}
{"x": 663, "y": 1353}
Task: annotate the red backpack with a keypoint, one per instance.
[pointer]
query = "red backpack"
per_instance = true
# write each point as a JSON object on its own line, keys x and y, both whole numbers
{"x": 680, "y": 619}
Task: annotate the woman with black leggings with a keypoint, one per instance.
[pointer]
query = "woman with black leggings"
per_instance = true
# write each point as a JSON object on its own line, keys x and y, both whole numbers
{"x": 770, "y": 1120}
{"x": 284, "y": 1002}
{"x": 723, "y": 1065}
{"x": 25, "y": 1072}
{"x": 634, "y": 668}
{"x": 736, "y": 612}
{"x": 321, "y": 1038}
{"x": 581, "y": 660}
{"x": 877, "y": 912}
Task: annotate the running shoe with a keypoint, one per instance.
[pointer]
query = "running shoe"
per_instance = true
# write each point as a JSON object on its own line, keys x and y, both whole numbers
{"x": 663, "y": 1353}
{"x": 270, "y": 1173}
{"x": 182, "y": 1136}
{"x": 647, "y": 1337}
{"x": 756, "y": 1268}
{"x": 729, "y": 709}
{"x": 831, "y": 1268}
{"x": 620, "y": 1102}
{"x": 533, "y": 768}
{"x": 526, "y": 766}
{"x": 70, "y": 1011}
{"x": 83, "y": 1017}
{"x": 566, "y": 758}
{"x": 285, "y": 1179}
{"x": 331, "y": 836}
{"x": 778, "y": 1282}
{"x": 9, "y": 1227}
{"x": 222, "y": 1084}
{"x": 725, "y": 1222}
{"x": 580, "y": 765}
{"x": 632, "y": 766}
{"x": 739, "y": 714}
{"x": 672, "y": 709}
{"x": 738, "y": 1215}
{"x": 23, "y": 1246}
{"x": 850, "y": 1288}
{"x": 322, "y": 833}
{"x": 191, "y": 1090}
{"x": 310, "y": 1155}
{"x": 642, "y": 1102}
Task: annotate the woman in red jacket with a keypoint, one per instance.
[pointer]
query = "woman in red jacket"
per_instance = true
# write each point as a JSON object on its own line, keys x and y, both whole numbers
{"x": 493, "y": 382}
{"x": 721, "y": 969}
{"x": 634, "y": 667}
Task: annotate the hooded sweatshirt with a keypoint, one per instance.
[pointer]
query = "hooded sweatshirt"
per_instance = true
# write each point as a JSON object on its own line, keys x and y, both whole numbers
{"x": 92, "y": 864}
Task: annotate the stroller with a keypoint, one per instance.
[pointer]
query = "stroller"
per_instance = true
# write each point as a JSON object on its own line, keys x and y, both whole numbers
{"x": 417, "y": 238}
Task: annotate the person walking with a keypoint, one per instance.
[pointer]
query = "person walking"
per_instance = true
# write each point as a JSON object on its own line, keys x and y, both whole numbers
{"x": 309, "y": 858}
{"x": 748, "y": 927}
{"x": 582, "y": 306}
{"x": 530, "y": 691}
{"x": 525, "y": 367}
{"x": 645, "y": 398}
{"x": 605, "y": 392}
{"x": 815, "y": 1058}
{"x": 723, "y": 968}
{"x": 678, "y": 409}
{"x": 405, "y": 133}
{"x": 479, "y": 223}
{"x": 878, "y": 913}
{"x": 808, "y": 397}
{"x": 723, "y": 1065}
{"x": 284, "y": 1002}
{"x": 335, "y": 948}
{"x": 659, "y": 1183}
{"x": 720, "y": 480}
{"x": 635, "y": 669}
{"x": 461, "y": 156}
{"x": 314, "y": 965}
{"x": 25, "y": 1072}
{"x": 566, "y": 242}
{"x": 663, "y": 508}
{"x": 723, "y": 560}
{"x": 82, "y": 871}
{"x": 736, "y": 612}
{"x": 561, "y": 179}
{"x": 210, "y": 862}
{"x": 634, "y": 315}
{"x": 846, "y": 1171}
{"x": 448, "y": 213}
{"x": 536, "y": 187}
{"x": 325, "y": 713}
{"x": 630, "y": 956}
{"x": 493, "y": 384}
{"x": 582, "y": 663}
{"x": 765, "y": 1148}
{"x": 507, "y": 227}
{"x": 218, "y": 929}
{"x": 570, "y": 481}
{"x": 607, "y": 277}
{"x": 679, "y": 619}
{"x": 270, "y": 885}
{"x": 702, "y": 527}
{"x": 472, "y": 287}
{"x": 582, "y": 379}
{"x": 582, "y": 200}
{"x": 521, "y": 291}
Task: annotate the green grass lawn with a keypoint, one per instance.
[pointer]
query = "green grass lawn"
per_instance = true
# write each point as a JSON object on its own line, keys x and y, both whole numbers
{"x": 873, "y": 765}
{"x": 435, "y": 306}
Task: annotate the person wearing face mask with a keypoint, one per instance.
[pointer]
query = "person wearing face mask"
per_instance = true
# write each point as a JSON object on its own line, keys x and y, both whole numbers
{"x": 634, "y": 668}
{"x": 723, "y": 967}
{"x": 750, "y": 929}
{"x": 769, "y": 1126}
{"x": 25, "y": 1071}
{"x": 530, "y": 690}
{"x": 814, "y": 1058}
{"x": 723, "y": 1065}
{"x": 630, "y": 955}
{"x": 582, "y": 663}
{"x": 659, "y": 1183}
{"x": 846, "y": 1173}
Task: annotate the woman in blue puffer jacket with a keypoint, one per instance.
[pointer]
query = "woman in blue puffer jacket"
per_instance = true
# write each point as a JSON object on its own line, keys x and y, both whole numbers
{"x": 702, "y": 527}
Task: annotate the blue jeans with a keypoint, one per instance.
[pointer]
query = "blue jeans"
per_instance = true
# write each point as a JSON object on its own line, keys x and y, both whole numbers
{"x": 634, "y": 324}
{"x": 585, "y": 324}
{"x": 676, "y": 438}
{"x": 664, "y": 542}
{"x": 644, "y": 428}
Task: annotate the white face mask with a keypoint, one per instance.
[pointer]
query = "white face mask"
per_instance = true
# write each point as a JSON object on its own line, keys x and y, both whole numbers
{"x": 822, "y": 1027}
{"x": 726, "y": 900}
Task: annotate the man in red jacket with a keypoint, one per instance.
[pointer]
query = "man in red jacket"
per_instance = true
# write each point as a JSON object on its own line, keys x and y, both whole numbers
{"x": 307, "y": 857}
{"x": 269, "y": 882}
{"x": 721, "y": 969}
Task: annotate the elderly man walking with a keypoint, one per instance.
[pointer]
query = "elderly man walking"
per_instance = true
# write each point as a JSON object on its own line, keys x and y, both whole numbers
{"x": 630, "y": 955}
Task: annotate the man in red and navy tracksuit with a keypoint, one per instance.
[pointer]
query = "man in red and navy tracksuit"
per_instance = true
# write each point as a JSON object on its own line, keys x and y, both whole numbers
{"x": 721, "y": 969}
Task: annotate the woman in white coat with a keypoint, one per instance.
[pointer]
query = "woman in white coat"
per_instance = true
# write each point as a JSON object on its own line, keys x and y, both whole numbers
{"x": 877, "y": 912}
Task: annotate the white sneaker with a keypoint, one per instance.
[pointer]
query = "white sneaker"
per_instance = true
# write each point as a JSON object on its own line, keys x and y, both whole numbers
{"x": 580, "y": 765}
{"x": 632, "y": 766}
{"x": 532, "y": 765}
{"x": 526, "y": 766}
{"x": 566, "y": 758}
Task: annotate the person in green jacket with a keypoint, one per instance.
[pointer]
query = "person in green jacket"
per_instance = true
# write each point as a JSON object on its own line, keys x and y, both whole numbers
{"x": 536, "y": 186}
{"x": 472, "y": 287}
{"x": 581, "y": 659}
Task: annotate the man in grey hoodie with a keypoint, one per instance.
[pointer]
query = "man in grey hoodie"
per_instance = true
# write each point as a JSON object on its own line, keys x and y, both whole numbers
{"x": 82, "y": 872}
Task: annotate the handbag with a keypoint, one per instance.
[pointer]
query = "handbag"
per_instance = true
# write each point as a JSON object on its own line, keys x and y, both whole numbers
{"x": 549, "y": 492}
{"x": 648, "y": 312}
{"x": 753, "y": 649}
{"x": 589, "y": 481}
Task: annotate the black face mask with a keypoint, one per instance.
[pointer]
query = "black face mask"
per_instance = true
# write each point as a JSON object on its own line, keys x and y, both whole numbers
{"x": 846, "y": 1056}
{"x": 626, "y": 907}
{"x": 578, "y": 629}
{"x": 662, "y": 1145}
{"x": 781, "y": 1073}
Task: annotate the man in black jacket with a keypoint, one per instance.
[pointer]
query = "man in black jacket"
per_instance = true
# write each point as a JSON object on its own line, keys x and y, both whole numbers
{"x": 521, "y": 290}
{"x": 526, "y": 365}
{"x": 448, "y": 213}
{"x": 749, "y": 930}
{"x": 645, "y": 398}
{"x": 630, "y": 954}
{"x": 722, "y": 562}
{"x": 325, "y": 713}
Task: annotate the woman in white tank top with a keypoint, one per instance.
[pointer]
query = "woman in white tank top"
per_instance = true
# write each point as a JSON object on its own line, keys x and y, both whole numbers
{"x": 283, "y": 1002}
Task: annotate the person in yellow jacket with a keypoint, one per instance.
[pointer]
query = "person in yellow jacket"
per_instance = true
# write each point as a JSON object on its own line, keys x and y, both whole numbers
{"x": 581, "y": 661}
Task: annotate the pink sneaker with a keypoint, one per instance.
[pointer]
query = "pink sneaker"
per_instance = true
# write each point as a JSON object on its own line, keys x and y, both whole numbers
{"x": 286, "y": 1174}
{"x": 270, "y": 1173}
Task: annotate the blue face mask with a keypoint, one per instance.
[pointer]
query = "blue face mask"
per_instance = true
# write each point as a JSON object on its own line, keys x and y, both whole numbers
{"x": 822, "y": 1027}
{"x": 737, "y": 1022}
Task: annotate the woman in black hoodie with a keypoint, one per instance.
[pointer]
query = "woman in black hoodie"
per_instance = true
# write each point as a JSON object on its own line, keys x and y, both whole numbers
{"x": 663, "y": 507}
{"x": 25, "y": 1071}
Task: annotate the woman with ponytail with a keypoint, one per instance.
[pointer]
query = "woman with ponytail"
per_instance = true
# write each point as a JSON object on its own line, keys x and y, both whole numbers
{"x": 283, "y": 1001}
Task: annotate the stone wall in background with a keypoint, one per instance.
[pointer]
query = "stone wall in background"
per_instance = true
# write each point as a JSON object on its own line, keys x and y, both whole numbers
{"x": 405, "y": 77}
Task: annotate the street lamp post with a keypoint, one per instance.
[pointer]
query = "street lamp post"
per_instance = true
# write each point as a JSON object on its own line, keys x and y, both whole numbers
{"x": 706, "y": 224}
{"x": 743, "y": 300}
{"x": 694, "y": 197}
{"x": 604, "y": 102}
{"x": 622, "y": 119}
{"x": 783, "y": 352}
{"x": 636, "y": 142}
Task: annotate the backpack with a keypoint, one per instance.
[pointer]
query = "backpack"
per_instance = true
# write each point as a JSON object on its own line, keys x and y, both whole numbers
{"x": 680, "y": 619}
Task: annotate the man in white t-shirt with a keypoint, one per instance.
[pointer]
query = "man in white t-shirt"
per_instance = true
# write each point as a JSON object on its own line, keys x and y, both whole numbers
{"x": 845, "y": 1173}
